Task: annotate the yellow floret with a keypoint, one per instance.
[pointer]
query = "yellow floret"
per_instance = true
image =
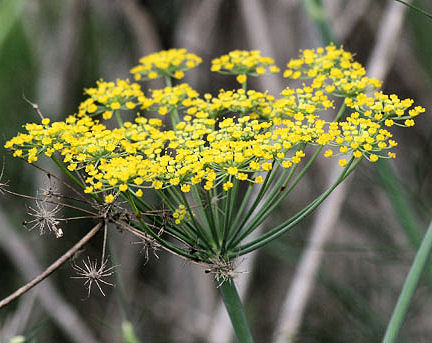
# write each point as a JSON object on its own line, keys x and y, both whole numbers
{"x": 109, "y": 199}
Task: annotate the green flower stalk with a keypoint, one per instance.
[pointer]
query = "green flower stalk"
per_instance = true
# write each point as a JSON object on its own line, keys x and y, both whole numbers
{"x": 409, "y": 288}
{"x": 204, "y": 165}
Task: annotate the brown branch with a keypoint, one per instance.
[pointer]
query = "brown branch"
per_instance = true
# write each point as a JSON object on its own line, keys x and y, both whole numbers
{"x": 63, "y": 313}
{"x": 104, "y": 240}
{"x": 35, "y": 107}
{"x": 53, "y": 267}
{"x": 25, "y": 196}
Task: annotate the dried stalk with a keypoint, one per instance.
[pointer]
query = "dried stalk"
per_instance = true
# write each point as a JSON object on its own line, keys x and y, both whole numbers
{"x": 62, "y": 313}
{"x": 52, "y": 268}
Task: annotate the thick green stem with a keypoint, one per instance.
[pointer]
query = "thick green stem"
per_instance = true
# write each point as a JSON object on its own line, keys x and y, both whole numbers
{"x": 409, "y": 288}
{"x": 235, "y": 311}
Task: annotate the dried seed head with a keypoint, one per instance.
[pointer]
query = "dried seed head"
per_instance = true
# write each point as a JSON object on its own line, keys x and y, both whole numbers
{"x": 49, "y": 190}
{"x": 93, "y": 274}
{"x": 148, "y": 245}
{"x": 45, "y": 218}
{"x": 223, "y": 270}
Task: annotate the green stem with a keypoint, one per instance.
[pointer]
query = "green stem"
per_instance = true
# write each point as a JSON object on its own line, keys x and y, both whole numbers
{"x": 201, "y": 232}
{"x": 409, "y": 288}
{"x": 235, "y": 311}
{"x": 200, "y": 207}
{"x": 276, "y": 196}
{"x": 118, "y": 118}
{"x": 244, "y": 86}
{"x": 256, "y": 202}
{"x": 167, "y": 245}
{"x": 168, "y": 81}
{"x": 340, "y": 112}
{"x": 173, "y": 113}
{"x": 415, "y": 8}
{"x": 229, "y": 208}
{"x": 180, "y": 236}
{"x": 271, "y": 202}
{"x": 215, "y": 211}
{"x": 244, "y": 202}
{"x": 67, "y": 172}
{"x": 211, "y": 216}
{"x": 183, "y": 233}
{"x": 294, "y": 220}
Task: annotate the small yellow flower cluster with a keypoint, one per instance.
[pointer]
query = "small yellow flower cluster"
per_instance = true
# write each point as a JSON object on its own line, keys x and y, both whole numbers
{"x": 387, "y": 109}
{"x": 252, "y": 103}
{"x": 243, "y": 63}
{"x": 84, "y": 141}
{"x": 236, "y": 135}
{"x": 171, "y": 62}
{"x": 170, "y": 98}
{"x": 362, "y": 137}
{"x": 364, "y": 132}
{"x": 332, "y": 70}
{"x": 111, "y": 96}
{"x": 179, "y": 214}
{"x": 301, "y": 102}
{"x": 235, "y": 150}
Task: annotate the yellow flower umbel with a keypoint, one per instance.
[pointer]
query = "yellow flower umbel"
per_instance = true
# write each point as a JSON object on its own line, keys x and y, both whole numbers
{"x": 109, "y": 97}
{"x": 333, "y": 70}
{"x": 243, "y": 63}
{"x": 245, "y": 103}
{"x": 168, "y": 63}
{"x": 217, "y": 144}
{"x": 169, "y": 99}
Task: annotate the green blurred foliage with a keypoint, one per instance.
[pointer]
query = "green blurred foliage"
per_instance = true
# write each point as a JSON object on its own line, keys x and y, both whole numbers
{"x": 18, "y": 71}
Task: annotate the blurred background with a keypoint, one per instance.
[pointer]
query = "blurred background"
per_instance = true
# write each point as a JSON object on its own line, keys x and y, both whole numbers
{"x": 353, "y": 253}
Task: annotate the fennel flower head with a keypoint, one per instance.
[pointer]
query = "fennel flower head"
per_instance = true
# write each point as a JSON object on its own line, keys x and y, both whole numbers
{"x": 219, "y": 163}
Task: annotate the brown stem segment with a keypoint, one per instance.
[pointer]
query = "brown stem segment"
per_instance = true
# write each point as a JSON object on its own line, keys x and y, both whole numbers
{"x": 53, "y": 267}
